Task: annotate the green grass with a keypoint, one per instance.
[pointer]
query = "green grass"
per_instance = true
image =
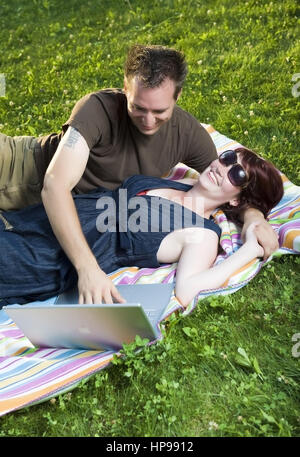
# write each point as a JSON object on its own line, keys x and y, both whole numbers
{"x": 242, "y": 57}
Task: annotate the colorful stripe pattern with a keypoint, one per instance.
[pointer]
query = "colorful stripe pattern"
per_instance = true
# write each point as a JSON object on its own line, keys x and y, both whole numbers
{"x": 30, "y": 375}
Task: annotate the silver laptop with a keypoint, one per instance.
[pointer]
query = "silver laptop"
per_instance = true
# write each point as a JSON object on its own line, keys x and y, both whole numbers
{"x": 66, "y": 324}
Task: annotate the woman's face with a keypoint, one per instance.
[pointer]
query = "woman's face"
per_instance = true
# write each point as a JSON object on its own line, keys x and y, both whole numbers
{"x": 215, "y": 180}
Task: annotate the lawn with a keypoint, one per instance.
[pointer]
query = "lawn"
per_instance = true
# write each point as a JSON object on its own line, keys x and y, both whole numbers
{"x": 243, "y": 79}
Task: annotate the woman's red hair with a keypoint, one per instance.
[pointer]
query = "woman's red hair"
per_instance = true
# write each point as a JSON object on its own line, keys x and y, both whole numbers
{"x": 264, "y": 189}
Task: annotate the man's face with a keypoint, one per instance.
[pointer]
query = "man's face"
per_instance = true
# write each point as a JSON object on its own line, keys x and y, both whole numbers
{"x": 149, "y": 108}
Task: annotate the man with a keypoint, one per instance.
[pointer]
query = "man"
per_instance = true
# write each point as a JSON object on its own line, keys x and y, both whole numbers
{"x": 110, "y": 135}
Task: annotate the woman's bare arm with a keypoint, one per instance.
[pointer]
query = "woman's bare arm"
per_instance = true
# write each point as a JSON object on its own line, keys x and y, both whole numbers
{"x": 195, "y": 271}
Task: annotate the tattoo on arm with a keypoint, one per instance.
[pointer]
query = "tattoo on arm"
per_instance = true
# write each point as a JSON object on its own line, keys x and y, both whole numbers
{"x": 72, "y": 137}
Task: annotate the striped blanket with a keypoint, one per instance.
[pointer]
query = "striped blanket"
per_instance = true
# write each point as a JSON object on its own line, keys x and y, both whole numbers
{"x": 31, "y": 375}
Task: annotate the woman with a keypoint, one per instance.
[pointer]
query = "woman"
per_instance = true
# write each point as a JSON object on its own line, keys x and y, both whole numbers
{"x": 33, "y": 265}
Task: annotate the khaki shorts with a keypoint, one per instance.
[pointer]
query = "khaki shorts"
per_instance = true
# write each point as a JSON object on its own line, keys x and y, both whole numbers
{"x": 19, "y": 182}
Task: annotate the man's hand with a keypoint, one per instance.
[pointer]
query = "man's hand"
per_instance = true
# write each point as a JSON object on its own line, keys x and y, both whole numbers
{"x": 94, "y": 286}
{"x": 263, "y": 231}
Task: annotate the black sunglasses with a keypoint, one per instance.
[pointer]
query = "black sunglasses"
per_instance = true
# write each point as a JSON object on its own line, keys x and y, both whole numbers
{"x": 236, "y": 175}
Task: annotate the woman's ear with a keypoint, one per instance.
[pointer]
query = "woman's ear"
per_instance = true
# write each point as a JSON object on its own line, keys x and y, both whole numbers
{"x": 234, "y": 202}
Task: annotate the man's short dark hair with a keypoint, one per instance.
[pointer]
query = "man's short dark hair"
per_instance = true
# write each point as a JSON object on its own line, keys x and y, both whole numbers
{"x": 153, "y": 64}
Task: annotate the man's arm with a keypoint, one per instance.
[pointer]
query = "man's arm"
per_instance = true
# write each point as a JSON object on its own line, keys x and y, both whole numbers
{"x": 64, "y": 171}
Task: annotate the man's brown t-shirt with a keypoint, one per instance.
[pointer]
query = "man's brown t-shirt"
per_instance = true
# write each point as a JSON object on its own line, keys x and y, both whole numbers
{"x": 118, "y": 149}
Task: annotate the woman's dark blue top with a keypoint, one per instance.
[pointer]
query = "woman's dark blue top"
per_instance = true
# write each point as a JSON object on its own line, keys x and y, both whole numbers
{"x": 121, "y": 228}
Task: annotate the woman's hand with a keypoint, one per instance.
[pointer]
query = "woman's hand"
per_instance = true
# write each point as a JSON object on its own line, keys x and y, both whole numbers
{"x": 94, "y": 286}
{"x": 252, "y": 241}
{"x": 264, "y": 233}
